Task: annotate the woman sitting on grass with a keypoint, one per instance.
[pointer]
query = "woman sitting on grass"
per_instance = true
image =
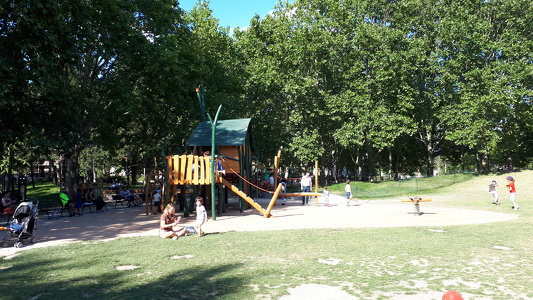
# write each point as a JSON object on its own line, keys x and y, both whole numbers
{"x": 168, "y": 223}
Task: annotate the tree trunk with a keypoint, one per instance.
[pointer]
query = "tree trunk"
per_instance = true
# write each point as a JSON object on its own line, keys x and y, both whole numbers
{"x": 11, "y": 159}
{"x": 71, "y": 171}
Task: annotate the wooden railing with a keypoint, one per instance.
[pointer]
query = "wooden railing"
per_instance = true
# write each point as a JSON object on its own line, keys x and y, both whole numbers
{"x": 189, "y": 169}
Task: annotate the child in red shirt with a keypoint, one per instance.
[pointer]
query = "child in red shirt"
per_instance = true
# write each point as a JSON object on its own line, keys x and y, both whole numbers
{"x": 512, "y": 190}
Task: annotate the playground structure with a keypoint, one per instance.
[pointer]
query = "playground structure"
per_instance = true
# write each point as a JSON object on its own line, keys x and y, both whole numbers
{"x": 416, "y": 201}
{"x": 226, "y": 162}
{"x": 194, "y": 170}
{"x": 190, "y": 174}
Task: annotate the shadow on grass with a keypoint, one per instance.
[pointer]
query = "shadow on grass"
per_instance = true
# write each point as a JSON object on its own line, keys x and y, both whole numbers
{"x": 70, "y": 278}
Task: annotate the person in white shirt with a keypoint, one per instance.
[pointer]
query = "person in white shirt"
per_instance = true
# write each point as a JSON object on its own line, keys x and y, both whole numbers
{"x": 201, "y": 215}
{"x": 348, "y": 191}
{"x": 306, "y": 184}
{"x": 325, "y": 195}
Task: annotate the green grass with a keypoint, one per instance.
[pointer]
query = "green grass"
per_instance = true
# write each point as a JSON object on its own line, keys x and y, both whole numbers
{"x": 45, "y": 192}
{"x": 401, "y": 188}
{"x": 485, "y": 261}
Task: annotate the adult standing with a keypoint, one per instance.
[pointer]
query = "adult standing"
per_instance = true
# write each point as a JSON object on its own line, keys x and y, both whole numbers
{"x": 306, "y": 184}
{"x": 492, "y": 190}
{"x": 512, "y": 190}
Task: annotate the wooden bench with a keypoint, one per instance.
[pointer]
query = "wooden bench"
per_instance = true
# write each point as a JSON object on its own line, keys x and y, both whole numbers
{"x": 416, "y": 201}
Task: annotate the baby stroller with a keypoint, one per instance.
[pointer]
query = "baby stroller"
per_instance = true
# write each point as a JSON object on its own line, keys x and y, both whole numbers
{"x": 23, "y": 224}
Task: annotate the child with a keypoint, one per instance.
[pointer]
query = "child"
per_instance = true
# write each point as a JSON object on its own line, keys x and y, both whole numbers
{"x": 325, "y": 194}
{"x": 201, "y": 215}
{"x": 157, "y": 201}
{"x": 492, "y": 190}
{"x": 348, "y": 190}
{"x": 512, "y": 190}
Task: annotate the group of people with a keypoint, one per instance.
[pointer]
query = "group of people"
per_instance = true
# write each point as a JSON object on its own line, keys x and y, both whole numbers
{"x": 168, "y": 222}
{"x": 510, "y": 186}
{"x": 75, "y": 206}
{"x": 306, "y": 183}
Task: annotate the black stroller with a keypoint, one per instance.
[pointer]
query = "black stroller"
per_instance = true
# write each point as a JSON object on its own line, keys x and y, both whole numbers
{"x": 23, "y": 224}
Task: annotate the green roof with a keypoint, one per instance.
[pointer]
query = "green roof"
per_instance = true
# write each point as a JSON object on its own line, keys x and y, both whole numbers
{"x": 229, "y": 133}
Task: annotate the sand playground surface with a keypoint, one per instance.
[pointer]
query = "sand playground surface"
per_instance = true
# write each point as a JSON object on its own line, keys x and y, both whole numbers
{"x": 133, "y": 221}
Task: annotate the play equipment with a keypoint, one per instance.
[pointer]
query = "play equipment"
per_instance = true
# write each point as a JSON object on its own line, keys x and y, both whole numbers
{"x": 416, "y": 201}
{"x": 185, "y": 170}
{"x": 228, "y": 164}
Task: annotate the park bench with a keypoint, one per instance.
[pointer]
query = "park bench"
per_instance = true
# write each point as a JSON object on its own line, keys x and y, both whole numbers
{"x": 118, "y": 199}
{"x": 416, "y": 201}
{"x": 51, "y": 211}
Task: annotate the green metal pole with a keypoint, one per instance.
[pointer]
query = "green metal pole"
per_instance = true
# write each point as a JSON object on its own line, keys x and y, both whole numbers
{"x": 213, "y": 165}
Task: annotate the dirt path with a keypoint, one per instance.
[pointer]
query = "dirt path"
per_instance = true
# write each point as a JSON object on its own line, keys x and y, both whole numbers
{"x": 123, "y": 222}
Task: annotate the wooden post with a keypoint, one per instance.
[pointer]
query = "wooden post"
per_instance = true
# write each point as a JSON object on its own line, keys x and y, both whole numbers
{"x": 273, "y": 201}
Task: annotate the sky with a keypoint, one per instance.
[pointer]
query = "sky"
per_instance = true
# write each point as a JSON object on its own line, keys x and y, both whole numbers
{"x": 233, "y": 13}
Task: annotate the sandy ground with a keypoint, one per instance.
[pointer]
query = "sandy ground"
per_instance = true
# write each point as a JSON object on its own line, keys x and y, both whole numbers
{"x": 123, "y": 222}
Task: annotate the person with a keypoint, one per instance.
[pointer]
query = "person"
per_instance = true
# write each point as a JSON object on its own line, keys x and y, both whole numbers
{"x": 348, "y": 191}
{"x": 201, "y": 215}
{"x": 67, "y": 203}
{"x": 220, "y": 168}
{"x": 325, "y": 195}
{"x": 157, "y": 201}
{"x": 78, "y": 202}
{"x": 306, "y": 184}
{"x": 512, "y": 190}
{"x": 492, "y": 190}
{"x": 87, "y": 199}
{"x": 125, "y": 193}
{"x": 283, "y": 189}
{"x": 168, "y": 223}
{"x": 8, "y": 204}
{"x": 98, "y": 201}
{"x": 271, "y": 181}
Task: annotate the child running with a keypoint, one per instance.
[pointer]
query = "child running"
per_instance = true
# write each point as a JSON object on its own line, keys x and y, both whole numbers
{"x": 512, "y": 190}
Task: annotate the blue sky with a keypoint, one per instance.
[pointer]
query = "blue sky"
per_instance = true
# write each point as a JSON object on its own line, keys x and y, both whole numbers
{"x": 235, "y": 13}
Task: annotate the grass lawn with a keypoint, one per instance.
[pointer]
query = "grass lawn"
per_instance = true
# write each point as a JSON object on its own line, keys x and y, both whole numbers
{"x": 485, "y": 261}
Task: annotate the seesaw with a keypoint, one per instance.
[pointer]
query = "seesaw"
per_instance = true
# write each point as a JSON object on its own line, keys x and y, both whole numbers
{"x": 416, "y": 201}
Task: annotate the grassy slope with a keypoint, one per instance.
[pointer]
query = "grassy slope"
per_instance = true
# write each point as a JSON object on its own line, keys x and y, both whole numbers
{"x": 486, "y": 261}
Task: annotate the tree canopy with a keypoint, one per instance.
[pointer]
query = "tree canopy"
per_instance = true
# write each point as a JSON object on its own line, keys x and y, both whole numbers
{"x": 365, "y": 87}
